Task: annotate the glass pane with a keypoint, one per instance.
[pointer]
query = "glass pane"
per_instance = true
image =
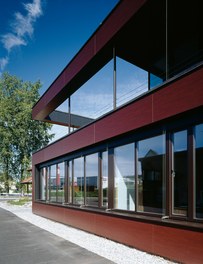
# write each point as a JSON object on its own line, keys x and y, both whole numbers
{"x": 95, "y": 97}
{"x": 154, "y": 81}
{"x": 42, "y": 184}
{"x": 70, "y": 182}
{"x": 151, "y": 176}
{"x": 78, "y": 185}
{"x": 199, "y": 170}
{"x": 185, "y": 49}
{"x": 53, "y": 183}
{"x": 180, "y": 178}
{"x": 146, "y": 51}
{"x": 104, "y": 178}
{"x": 132, "y": 81}
{"x": 60, "y": 180}
{"x": 92, "y": 180}
{"x": 124, "y": 189}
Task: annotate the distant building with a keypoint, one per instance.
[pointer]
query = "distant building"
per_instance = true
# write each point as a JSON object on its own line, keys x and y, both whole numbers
{"x": 134, "y": 172}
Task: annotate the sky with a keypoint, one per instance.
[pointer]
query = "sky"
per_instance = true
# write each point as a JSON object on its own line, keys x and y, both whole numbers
{"x": 38, "y": 38}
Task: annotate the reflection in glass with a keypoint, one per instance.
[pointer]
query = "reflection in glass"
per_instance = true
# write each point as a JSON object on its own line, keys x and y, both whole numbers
{"x": 95, "y": 97}
{"x": 151, "y": 178}
{"x": 92, "y": 180}
{"x": 70, "y": 182}
{"x": 131, "y": 81}
{"x": 78, "y": 184}
{"x": 154, "y": 81}
{"x": 52, "y": 183}
{"x": 104, "y": 179}
{"x": 42, "y": 184}
{"x": 179, "y": 173}
{"x": 60, "y": 178}
{"x": 199, "y": 170}
{"x": 124, "y": 187}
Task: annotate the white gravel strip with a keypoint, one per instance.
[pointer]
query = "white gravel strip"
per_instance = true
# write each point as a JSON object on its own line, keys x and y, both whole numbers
{"x": 113, "y": 251}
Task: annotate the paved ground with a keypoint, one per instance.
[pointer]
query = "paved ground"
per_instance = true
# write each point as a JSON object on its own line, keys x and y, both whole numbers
{"x": 24, "y": 243}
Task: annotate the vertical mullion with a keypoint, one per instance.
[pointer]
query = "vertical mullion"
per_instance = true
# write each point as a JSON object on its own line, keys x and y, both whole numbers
{"x": 57, "y": 167}
{"x": 69, "y": 114}
{"x": 166, "y": 39}
{"x": 114, "y": 78}
{"x": 84, "y": 173}
{"x": 111, "y": 178}
{"x": 168, "y": 170}
{"x": 49, "y": 177}
{"x": 100, "y": 160}
{"x": 191, "y": 174}
{"x": 66, "y": 187}
{"x": 46, "y": 182}
{"x": 136, "y": 176}
{"x": 72, "y": 187}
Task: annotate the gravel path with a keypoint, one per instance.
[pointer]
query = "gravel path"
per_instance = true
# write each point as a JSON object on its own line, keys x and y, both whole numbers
{"x": 113, "y": 251}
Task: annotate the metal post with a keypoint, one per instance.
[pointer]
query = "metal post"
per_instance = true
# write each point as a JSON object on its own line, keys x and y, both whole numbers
{"x": 114, "y": 78}
{"x": 166, "y": 39}
{"x": 69, "y": 112}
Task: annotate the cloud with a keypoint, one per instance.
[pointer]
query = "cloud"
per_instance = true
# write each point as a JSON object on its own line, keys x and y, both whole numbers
{"x": 10, "y": 40}
{"x": 22, "y": 25}
{"x": 3, "y": 62}
{"x": 22, "y": 28}
{"x": 34, "y": 9}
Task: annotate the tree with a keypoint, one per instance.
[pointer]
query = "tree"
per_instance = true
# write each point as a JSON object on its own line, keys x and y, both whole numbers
{"x": 20, "y": 136}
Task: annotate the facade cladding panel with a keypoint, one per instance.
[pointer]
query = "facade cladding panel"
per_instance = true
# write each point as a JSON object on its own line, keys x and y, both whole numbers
{"x": 134, "y": 174}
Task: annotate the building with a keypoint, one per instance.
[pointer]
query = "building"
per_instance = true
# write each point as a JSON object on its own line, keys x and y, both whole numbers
{"x": 133, "y": 173}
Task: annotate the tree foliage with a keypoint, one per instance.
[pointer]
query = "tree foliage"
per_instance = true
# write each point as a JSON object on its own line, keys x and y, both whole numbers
{"x": 20, "y": 136}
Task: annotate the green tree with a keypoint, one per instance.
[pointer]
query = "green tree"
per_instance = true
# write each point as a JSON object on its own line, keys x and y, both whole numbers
{"x": 20, "y": 136}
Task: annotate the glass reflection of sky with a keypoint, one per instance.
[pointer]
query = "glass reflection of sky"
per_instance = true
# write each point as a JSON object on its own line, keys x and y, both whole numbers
{"x": 92, "y": 165}
{"x": 156, "y": 144}
{"x": 131, "y": 81}
{"x": 199, "y": 136}
{"x": 124, "y": 159}
{"x": 180, "y": 141}
{"x": 61, "y": 168}
{"x": 53, "y": 171}
{"x": 78, "y": 167}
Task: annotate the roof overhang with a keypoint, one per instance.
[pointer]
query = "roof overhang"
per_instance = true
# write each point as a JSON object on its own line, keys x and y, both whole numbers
{"x": 96, "y": 52}
{"x": 64, "y": 119}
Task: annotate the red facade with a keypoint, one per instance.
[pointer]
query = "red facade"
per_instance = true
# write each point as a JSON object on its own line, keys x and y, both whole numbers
{"x": 175, "y": 104}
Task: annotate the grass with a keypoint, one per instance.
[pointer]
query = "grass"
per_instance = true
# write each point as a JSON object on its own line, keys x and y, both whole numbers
{"x": 20, "y": 201}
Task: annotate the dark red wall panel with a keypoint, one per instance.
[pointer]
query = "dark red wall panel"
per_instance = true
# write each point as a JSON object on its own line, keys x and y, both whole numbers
{"x": 68, "y": 144}
{"x": 177, "y": 244}
{"x": 178, "y": 97}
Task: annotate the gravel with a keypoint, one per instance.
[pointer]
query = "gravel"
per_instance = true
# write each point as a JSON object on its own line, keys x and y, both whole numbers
{"x": 113, "y": 251}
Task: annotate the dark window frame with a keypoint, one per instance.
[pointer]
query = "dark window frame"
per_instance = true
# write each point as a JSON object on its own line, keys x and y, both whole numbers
{"x": 170, "y": 128}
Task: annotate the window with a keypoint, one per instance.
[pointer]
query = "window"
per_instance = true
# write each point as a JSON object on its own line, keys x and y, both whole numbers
{"x": 132, "y": 81}
{"x": 92, "y": 180}
{"x": 124, "y": 181}
{"x": 43, "y": 183}
{"x": 104, "y": 179}
{"x": 60, "y": 179}
{"x": 132, "y": 177}
{"x": 199, "y": 170}
{"x": 151, "y": 176}
{"x": 78, "y": 183}
{"x": 70, "y": 182}
{"x": 179, "y": 173}
{"x": 52, "y": 179}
